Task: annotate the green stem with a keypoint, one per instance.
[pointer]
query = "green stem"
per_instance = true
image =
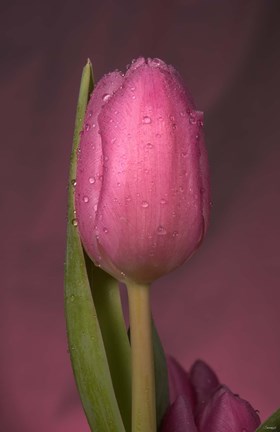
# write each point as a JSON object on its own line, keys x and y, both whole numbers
{"x": 143, "y": 377}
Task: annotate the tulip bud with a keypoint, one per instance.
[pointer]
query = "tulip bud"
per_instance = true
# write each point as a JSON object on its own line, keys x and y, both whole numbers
{"x": 142, "y": 194}
{"x": 226, "y": 412}
{"x": 179, "y": 417}
{"x": 204, "y": 381}
{"x": 213, "y": 409}
{"x": 179, "y": 382}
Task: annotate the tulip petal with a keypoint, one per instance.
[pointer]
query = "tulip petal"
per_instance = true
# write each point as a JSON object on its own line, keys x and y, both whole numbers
{"x": 90, "y": 164}
{"x": 179, "y": 382}
{"x": 150, "y": 210}
{"x": 226, "y": 412}
{"x": 204, "y": 381}
{"x": 204, "y": 175}
{"x": 179, "y": 417}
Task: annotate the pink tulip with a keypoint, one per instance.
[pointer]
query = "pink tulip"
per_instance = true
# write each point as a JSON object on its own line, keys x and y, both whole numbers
{"x": 226, "y": 412}
{"x": 179, "y": 382}
{"x": 179, "y": 417}
{"x": 142, "y": 194}
{"x": 208, "y": 407}
{"x": 204, "y": 381}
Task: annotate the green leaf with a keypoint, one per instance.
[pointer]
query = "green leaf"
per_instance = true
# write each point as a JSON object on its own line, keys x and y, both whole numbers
{"x": 106, "y": 297}
{"x": 161, "y": 377}
{"x": 271, "y": 424}
{"x": 85, "y": 341}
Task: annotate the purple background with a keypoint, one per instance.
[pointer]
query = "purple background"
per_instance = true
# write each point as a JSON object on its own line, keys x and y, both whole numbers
{"x": 223, "y": 305}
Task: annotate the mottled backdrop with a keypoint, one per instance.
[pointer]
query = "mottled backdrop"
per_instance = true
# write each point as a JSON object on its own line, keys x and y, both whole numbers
{"x": 222, "y": 306}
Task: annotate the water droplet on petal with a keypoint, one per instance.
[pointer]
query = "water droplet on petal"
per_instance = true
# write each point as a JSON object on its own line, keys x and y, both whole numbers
{"x": 184, "y": 154}
{"x": 105, "y": 230}
{"x": 175, "y": 234}
{"x": 157, "y": 62}
{"x": 74, "y": 222}
{"x": 73, "y": 182}
{"x": 95, "y": 208}
{"x": 87, "y": 127}
{"x": 145, "y": 204}
{"x": 192, "y": 119}
{"x": 86, "y": 199}
{"x": 182, "y": 114}
{"x": 147, "y": 120}
{"x": 149, "y": 146}
{"x": 163, "y": 201}
{"x": 161, "y": 230}
{"x": 90, "y": 114}
{"x": 91, "y": 180}
{"x": 106, "y": 97}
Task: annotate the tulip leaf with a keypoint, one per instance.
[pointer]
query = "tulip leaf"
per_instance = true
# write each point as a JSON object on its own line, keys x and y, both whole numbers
{"x": 161, "y": 376}
{"x": 271, "y": 424}
{"x": 86, "y": 347}
{"x": 106, "y": 297}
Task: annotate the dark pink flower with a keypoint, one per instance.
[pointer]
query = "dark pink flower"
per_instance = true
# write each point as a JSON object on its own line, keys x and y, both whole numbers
{"x": 226, "y": 412}
{"x": 142, "y": 187}
{"x": 179, "y": 382}
{"x": 208, "y": 406}
{"x": 204, "y": 382}
{"x": 179, "y": 417}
